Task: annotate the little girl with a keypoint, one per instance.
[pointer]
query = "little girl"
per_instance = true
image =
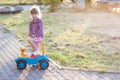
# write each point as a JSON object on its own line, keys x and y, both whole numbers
{"x": 36, "y": 32}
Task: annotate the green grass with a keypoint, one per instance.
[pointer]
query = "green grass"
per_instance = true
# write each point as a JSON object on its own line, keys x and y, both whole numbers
{"x": 68, "y": 45}
{"x": 6, "y": 31}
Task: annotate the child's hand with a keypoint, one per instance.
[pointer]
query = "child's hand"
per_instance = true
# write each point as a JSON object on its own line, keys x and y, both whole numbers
{"x": 33, "y": 36}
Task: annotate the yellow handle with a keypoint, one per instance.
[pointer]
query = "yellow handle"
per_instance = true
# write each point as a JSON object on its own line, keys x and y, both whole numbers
{"x": 42, "y": 47}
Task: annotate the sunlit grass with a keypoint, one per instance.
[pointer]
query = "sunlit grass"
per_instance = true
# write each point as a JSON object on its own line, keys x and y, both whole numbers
{"x": 117, "y": 10}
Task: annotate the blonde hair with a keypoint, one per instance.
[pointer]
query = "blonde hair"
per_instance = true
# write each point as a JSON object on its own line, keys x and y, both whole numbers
{"x": 36, "y": 9}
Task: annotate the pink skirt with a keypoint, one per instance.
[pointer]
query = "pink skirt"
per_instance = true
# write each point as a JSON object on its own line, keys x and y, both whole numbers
{"x": 37, "y": 40}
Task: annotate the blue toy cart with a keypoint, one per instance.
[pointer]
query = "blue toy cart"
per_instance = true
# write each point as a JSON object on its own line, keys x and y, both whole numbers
{"x": 23, "y": 59}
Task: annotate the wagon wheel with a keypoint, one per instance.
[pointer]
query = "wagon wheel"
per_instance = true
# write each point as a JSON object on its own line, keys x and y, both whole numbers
{"x": 44, "y": 64}
{"x": 21, "y": 64}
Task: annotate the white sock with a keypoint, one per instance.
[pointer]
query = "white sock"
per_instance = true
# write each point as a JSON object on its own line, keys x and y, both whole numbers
{"x": 38, "y": 52}
{"x": 35, "y": 53}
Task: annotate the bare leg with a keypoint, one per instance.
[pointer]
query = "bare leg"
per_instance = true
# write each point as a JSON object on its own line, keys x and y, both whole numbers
{"x": 33, "y": 44}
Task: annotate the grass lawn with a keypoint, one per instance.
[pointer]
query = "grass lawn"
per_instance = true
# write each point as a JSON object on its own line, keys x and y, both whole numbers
{"x": 66, "y": 42}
